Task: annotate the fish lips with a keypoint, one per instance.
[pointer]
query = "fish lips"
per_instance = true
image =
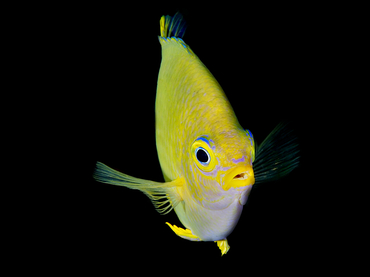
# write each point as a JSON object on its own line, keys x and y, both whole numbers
{"x": 239, "y": 177}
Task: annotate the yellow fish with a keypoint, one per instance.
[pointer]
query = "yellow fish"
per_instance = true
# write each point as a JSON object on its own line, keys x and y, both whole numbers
{"x": 209, "y": 162}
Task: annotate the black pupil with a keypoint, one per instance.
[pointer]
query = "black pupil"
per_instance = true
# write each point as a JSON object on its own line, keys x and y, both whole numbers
{"x": 202, "y": 156}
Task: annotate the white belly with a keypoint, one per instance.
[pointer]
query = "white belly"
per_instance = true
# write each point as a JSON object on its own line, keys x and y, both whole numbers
{"x": 207, "y": 224}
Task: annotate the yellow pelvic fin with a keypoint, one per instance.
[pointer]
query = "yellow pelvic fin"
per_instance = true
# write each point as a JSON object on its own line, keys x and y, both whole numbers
{"x": 223, "y": 245}
{"x": 183, "y": 233}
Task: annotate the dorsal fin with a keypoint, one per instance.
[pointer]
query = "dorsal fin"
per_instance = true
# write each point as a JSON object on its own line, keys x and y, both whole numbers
{"x": 173, "y": 26}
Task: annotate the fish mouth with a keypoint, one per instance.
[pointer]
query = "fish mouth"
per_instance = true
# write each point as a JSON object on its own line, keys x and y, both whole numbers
{"x": 241, "y": 176}
{"x": 237, "y": 177}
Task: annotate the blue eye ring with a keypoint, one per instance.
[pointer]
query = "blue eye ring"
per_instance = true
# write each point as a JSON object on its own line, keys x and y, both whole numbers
{"x": 203, "y": 156}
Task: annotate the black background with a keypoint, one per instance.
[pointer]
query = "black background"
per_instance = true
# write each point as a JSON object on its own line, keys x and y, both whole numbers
{"x": 272, "y": 62}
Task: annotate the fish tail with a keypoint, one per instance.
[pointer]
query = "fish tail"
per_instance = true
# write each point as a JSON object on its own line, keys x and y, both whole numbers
{"x": 172, "y": 26}
{"x": 163, "y": 195}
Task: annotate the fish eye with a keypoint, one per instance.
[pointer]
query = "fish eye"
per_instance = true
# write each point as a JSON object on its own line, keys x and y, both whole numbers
{"x": 202, "y": 155}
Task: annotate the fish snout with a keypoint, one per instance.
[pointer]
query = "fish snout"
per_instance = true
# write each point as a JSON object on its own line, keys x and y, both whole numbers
{"x": 240, "y": 176}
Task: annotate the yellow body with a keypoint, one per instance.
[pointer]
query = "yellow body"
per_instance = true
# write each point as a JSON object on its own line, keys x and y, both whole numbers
{"x": 190, "y": 104}
{"x": 205, "y": 155}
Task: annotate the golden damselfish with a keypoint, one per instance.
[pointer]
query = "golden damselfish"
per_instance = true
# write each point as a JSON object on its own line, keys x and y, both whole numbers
{"x": 209, "y": 162}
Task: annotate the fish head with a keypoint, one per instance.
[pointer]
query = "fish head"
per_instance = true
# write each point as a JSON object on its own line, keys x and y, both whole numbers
{"x": 221, "y": 168}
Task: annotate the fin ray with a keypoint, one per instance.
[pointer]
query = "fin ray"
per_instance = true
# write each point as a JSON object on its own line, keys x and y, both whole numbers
{"x": 172, "y": 26}
{"x": 183, "y": 233}
{"x": 162, "y": 195}
{"x": 277, "y": 155}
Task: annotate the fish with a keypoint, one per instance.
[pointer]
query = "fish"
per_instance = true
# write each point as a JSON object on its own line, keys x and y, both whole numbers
{"x": 209, "y": 162}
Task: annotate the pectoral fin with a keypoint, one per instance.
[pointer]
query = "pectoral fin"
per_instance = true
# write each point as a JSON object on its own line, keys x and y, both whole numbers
{"x": 277, "y": 155}
{"x": 183, "y": 233}
{"x": 163, "y": 195}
